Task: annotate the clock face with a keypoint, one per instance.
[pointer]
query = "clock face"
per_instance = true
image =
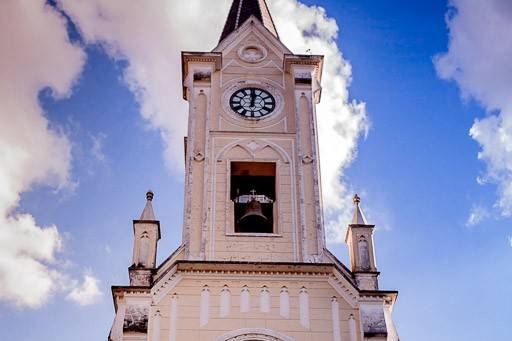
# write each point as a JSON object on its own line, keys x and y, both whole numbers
{"x": 252, "y": 103}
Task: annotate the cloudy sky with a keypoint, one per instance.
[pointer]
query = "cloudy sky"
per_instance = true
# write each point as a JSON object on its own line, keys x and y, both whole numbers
{"x": 416, "y": 97}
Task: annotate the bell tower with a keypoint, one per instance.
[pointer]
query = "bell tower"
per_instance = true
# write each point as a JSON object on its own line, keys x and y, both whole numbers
{"x": 252, "y": 171}
{"x": 253, "y": 264}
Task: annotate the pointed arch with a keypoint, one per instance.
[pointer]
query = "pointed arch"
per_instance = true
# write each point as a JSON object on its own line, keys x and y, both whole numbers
{"x": 363, "y": 249}
{"x": 144, "y": 249}
{"x": 281, "y": 153}
{"x": 229, "y": 147}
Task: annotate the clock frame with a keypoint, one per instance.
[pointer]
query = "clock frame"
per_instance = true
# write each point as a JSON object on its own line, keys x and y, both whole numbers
{"x": 252, "y": 103}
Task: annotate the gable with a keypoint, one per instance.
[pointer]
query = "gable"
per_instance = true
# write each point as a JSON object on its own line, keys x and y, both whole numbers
{"x": 256, "y": 27}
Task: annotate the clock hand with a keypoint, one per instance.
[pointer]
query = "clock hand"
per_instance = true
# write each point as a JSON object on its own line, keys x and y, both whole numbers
{"x": 253, "y": 98}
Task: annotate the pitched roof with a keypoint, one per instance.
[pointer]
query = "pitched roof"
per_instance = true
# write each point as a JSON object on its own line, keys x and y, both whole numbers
{"x": 241, "y": 10}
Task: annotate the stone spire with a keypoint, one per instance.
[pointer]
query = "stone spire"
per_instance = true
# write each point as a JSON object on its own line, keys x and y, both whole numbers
{"x": 241, "y": 10}
{"x": 358, "y": 218}
{"x": 148, "y": 213}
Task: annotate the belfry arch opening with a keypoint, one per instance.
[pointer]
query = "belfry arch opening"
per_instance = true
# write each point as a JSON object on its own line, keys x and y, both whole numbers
{"x": 253, "y": 192}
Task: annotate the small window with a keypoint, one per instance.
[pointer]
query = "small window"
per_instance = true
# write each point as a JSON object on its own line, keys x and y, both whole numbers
{"x": 253, "y": 192}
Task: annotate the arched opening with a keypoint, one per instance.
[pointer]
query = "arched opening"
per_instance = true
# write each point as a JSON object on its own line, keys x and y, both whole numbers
{"x": 364, "y": 254}
{"x": 254, "y": 334}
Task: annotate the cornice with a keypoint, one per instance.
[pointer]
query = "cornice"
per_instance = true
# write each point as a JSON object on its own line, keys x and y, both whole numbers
{"x": 121, "y": 291}
{"x": 389, "y": 296}
{"x": 304, "y": 59}
{"x": 214, "y": 58}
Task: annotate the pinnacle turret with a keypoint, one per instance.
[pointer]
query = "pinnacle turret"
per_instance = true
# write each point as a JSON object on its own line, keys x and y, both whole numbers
{"x": 358, "y": 218}
{"x": 148, "y": 213}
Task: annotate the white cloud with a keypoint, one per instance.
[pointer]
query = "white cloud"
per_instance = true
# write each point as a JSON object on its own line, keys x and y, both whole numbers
{"x": 87, "y": 293}
{"x": 151, "y": 35}
{"x": 477, "y": 215}
{"x": 98, "y": 142}
{"x": 478, "y": 59}
{"x": 340, "y": 121}
{"x": 35, "y": 53}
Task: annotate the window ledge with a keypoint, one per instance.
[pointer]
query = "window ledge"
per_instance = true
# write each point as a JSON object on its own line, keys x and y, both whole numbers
{"x": 250, "y": 234}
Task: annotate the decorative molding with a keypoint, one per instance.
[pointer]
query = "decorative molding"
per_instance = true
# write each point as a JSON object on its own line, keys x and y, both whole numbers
{"x": 307, "y": 159}
{"x": 345, "y": 289}
{"x": 259, "y": 30}
{"x": 140, "y": 277}
{"x": 258, "y": 55}
{"x": 164, "y": 285}
{"x": 248, "y": 144}
{"x": 199, "y": 157}
{"x": 250, "y": 334}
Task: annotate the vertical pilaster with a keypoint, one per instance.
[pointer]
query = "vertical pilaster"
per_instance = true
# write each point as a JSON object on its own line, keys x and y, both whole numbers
{"x": 352, "y": 328}
{"x": 245, "y": 300}
{"x": 264, "y": 299}
{"x": 156, "y": 325}
{"x": 284, "y": 302}
{"x": 336, "y": 330}
{"x": 195, "y": 221}
{"x": 304, "y": 307}
{"x": 225, "y": 301}
{"x": 173, "y": 317}
{"x": 308, "y": 171}
{"x": 204, "y": 313}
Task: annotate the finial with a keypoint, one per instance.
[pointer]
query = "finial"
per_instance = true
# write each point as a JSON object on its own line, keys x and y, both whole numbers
{"x": 150, "y": 195}
{"x": 358, "y": 217}
{"x": 356, "y": 199}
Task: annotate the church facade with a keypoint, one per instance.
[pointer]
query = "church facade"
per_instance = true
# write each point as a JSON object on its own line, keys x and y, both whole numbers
{"x": 253, "y": 264}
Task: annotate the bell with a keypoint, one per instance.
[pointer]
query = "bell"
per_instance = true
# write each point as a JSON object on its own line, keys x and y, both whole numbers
{"x": 253, "y": 214}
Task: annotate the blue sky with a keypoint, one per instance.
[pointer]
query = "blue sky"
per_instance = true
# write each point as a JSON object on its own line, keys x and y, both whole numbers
{"x": 416, "y": 171}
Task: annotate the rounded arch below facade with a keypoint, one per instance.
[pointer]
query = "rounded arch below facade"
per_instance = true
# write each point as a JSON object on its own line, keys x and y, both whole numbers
{"x": 254, "y": 334}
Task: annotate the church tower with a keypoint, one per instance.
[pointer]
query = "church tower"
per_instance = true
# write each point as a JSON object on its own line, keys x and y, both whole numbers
{"x": 253, "y": 263}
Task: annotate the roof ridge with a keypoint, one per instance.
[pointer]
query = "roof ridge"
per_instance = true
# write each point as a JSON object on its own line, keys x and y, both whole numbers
{"x": 242, "y": 10}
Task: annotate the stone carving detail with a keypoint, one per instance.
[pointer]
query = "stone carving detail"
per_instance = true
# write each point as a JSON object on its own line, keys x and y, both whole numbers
{"x": 307, "y": 159}
{"x": 253, "y": 53}
{"x": 136, "y": 319}
{"x": 373, "y": 320}
{"x": 366, "y": 283}
{"x": 253, "y": 145}
{"x": 140, "y": 277}
{"x": 198, "y": 156}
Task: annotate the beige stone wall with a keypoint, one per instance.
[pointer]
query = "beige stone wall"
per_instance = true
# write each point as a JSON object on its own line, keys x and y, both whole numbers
{"x": 286, "y": 138}
{"x": 188, "y": 293}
